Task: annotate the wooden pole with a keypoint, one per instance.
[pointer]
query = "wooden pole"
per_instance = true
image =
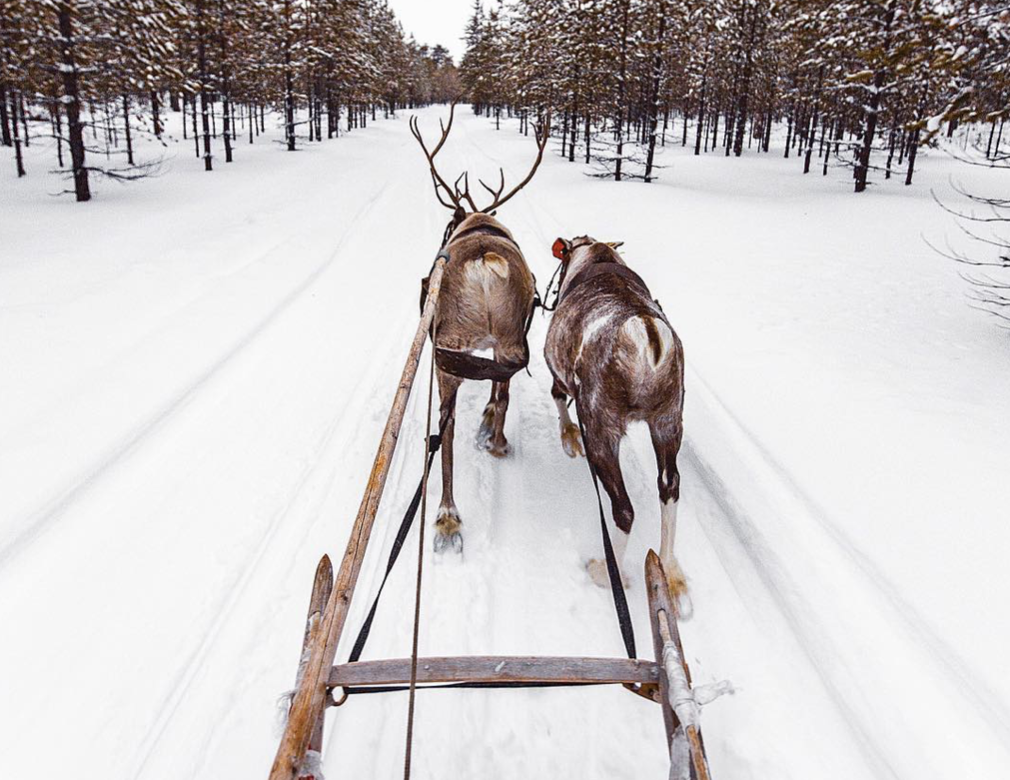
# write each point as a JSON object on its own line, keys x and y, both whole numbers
{"x": 322, "y": 586}
{"x": 309, "y": 700}
{"x": 658, "y": 592}
{"x": 665, "y": 634}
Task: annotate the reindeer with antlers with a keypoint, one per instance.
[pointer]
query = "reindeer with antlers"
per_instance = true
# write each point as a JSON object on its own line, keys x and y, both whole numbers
{"x": 486, "y": 302}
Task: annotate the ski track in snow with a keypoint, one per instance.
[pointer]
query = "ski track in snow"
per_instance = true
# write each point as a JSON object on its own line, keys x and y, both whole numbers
{"x": 38, "y": 522}
{"x": 185, "y": 674}
{"x": 828, "y": 652}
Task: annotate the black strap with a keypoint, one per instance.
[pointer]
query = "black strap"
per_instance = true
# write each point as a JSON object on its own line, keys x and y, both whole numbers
{"x": 482, "y": 230}
{"x": 616, "y": 585}
{"x": 401, "y": 536}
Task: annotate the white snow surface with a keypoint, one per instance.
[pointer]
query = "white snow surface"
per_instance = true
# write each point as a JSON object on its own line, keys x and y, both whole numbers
{"x": 196, "y": 370}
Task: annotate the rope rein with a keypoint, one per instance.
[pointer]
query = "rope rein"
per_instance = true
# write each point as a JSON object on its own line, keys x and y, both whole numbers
{"x": 420, "y": 562}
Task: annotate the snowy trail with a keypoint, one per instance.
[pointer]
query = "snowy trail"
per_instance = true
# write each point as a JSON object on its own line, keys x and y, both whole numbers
{"x": 199, "y": 427}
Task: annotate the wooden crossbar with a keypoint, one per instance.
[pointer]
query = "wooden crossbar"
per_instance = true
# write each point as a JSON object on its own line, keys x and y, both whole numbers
{"x": 497, "y": 668}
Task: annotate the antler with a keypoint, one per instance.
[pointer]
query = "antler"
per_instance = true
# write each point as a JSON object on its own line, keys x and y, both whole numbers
{"x": 454, "y": 193}
{"x": 542, "y": 132}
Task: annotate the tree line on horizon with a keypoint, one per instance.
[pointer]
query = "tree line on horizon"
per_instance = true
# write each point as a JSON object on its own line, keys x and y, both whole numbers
{"x": 862, "y": 83}
{"x": 96, "y": 74}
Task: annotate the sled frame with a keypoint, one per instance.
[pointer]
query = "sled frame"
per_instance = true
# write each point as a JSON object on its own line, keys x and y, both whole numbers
{"x": 331, "y": 599}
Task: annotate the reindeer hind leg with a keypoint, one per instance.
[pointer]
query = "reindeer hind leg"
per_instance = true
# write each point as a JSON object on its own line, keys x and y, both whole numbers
{"x": 448, "y": 522}
{"x": 666, "y": 441}
{"x": 571, "y": 439}
{"x": 498, "y": 445}
{"x": 603, "y": 449}
{"x": 487, "y": 420}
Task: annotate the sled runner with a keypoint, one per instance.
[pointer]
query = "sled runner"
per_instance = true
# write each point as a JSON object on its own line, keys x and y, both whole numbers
{"x": 320, "y": 684}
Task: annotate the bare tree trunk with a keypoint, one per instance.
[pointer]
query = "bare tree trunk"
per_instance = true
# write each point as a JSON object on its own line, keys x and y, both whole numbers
{"x": 912, "y": 148}
{"x": 813, "y": 121}
{"x": 68, "y": 71}
{"x": 155, "y": 115}
{"x": 657, "y": 77}
{"x": 574, "y": 129}
{"x": 24, "y": 119}
{"x": 873, "y": 109}
{"x": 196, "y": 132}
{"x": 58, "y": 129}
{"x": 748, "y": 66}
{"x": 5, "y": 128}
{"x": 988, "y": 148}
{"x": 789, "y": 133}
{"x": 201, "y": 55}
{"x": 701, "y": 108}
{"x": 16, "y": 135}
{"x": 622, "y": 90}
{"x": 890, "y": 152}
{"x": 126, "y": 127}
{"x": 228, "y": 118}
{"x": 564, "y": 135}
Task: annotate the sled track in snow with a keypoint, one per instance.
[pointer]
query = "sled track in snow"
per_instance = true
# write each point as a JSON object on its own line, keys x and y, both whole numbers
{"x": 41, "y": 520}
{"x": 184, "y": 676}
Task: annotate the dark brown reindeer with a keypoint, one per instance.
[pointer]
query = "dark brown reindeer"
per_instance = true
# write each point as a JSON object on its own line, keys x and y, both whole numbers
{"x": 611, "y": 348}
{"x": 485, "y": 304}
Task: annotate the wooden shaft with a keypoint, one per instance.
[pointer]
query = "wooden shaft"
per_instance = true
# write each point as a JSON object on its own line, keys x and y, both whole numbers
{"x": 321, "y": 588}
{"x": 659, "y": 599}
{"x": 698, "y": 762}
{"x": 500, "y": 668}
{"x": 663, "y": 616}
{"x": 307, "y": 706}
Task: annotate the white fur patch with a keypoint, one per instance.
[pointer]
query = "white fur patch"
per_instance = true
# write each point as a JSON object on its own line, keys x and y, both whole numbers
{"x": 636, "y": 330}
{"x": 595, "y": 326}
{"x": 668, "y": 521}
{"x": 489, "y": 262}
{"x": 591, "y": 329}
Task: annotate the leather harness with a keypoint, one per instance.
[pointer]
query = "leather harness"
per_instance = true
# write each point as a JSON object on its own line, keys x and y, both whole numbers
{"x": 466, "y": 365}
{"x": 600, "y": 269}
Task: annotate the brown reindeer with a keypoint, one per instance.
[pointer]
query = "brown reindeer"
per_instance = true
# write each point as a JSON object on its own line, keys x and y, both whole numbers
{"x": 611, "y": 348}
{"x": 485, "y": 304}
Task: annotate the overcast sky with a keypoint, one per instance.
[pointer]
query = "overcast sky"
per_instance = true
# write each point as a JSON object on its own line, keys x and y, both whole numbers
{"x": 435, "y": 21}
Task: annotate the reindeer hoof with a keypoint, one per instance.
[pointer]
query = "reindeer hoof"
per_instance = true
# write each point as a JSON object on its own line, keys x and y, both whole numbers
{"x": 452, "y": 542}
{"x": 447, "y": 533}
{"x": 500, "y": 449}
{"x": 600, "y": 576}
{"x": 571, "y": 441}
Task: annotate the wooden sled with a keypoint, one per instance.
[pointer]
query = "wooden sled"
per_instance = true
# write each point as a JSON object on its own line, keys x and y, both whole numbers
{"x": 665, "y": 680}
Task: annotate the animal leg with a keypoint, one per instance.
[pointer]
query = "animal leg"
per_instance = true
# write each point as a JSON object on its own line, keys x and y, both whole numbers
{"x": 666, "y": 440}
{"x": 499, "y": 446}
{"x": 603, "y": 448}
{"x": 448, "y": 522}
{"x": 571, "y": 440}
{"x": 486, "y": 430}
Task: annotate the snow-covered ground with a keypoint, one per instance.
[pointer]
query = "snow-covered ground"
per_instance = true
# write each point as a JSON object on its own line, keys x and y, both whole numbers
{"x": 196, "y": 369}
